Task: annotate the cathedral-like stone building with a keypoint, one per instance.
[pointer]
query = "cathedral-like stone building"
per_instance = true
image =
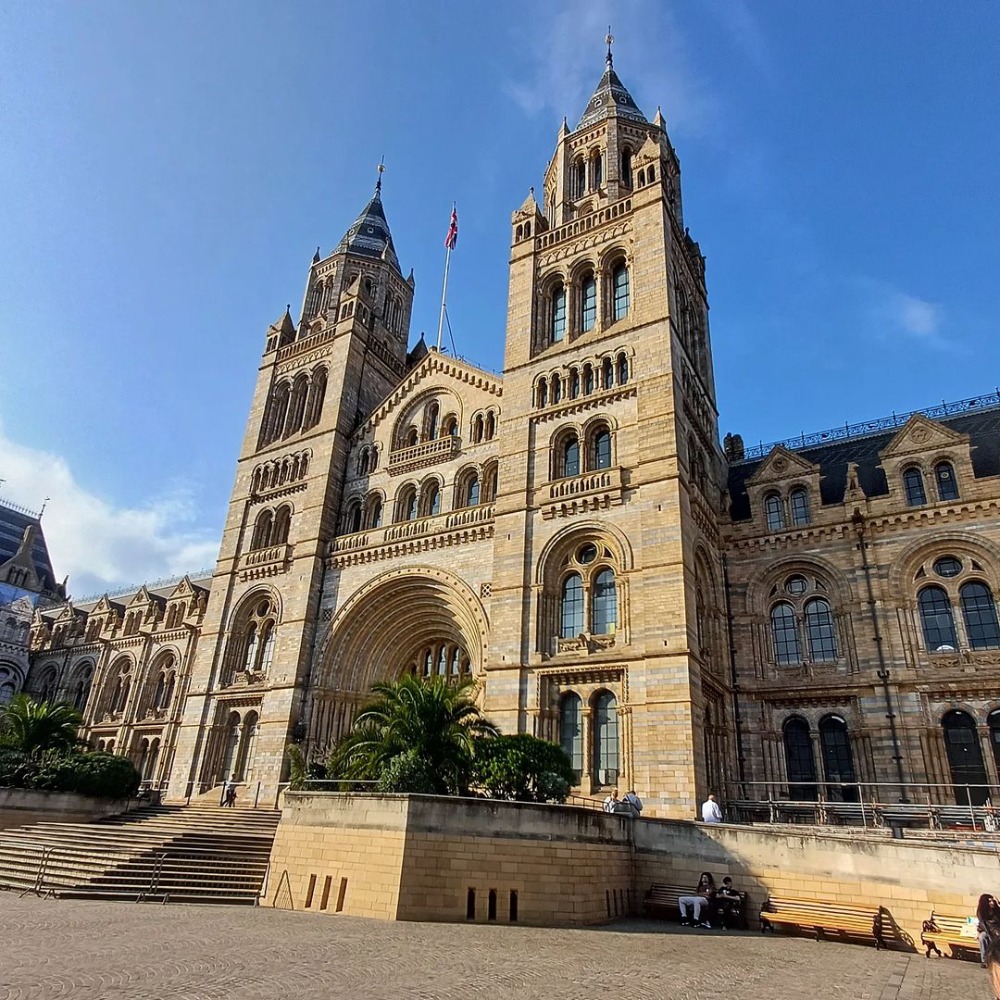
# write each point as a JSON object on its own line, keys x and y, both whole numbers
{"x": 678, "y": 616}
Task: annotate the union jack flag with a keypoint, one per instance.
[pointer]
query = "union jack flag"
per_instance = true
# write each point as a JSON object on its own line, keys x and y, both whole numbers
{"x": 452, "y": 238}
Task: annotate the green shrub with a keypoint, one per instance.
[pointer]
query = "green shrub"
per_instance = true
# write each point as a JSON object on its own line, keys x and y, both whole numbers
{"x": 406, "y": 772}
{"x": 523, "y": 768}
{"x": 101, "y": 775}
{"x": 16, "y": 768}
{"x": 297, "y": 772}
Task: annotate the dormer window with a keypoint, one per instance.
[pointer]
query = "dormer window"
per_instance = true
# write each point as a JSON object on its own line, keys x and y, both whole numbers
{"x": 913, "y": 485}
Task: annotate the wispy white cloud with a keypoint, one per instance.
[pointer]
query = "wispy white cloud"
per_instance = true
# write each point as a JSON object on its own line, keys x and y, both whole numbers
{"x": 894, "y": 313}
{"x": 98, "y": 544}
{"x": 567, "y": 58}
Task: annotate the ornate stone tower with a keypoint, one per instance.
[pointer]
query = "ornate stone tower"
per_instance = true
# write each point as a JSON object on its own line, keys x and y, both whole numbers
{"x": 605, "y": 631}
{"x": 317, "y": 380}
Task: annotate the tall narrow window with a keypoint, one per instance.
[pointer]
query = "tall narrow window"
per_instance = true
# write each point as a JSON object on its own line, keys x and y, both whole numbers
{"x": 838, "y": 761}
{"x": 556, "y": 389}
{"x": 408, "y": 504}
{"x": 588, "y": 379}
{"x": 604, "y": 616}
{"x": 980, "y": 614}
{"x": 472, "y": 491}
{"x": 580, "y": 171}
{"x": 627, "y": 167}
{"x": 785, "y": 631}
{"x": 267, "y": 648}
{"x": 596, "y": 171}
{"x": 602, "y": 449}
{"x": 820, "y": 631}
{"x": 558, "y": 330}
{"x": 947, "y": 484}
{"x": 774, "y": 512}
{"x": 913, "y": 484}
{"x": 574, "y": 384}
{"x": 606, "y": 738}
{"x": 588, "y": 303}
{"x": 607, "y": 374}
{"x": 571, "y": 457}
{"x": 800, "y": 762}
{"x": 937, "y": 620}
{"x": 799, "y": 500}
{"x": 571, "y": 624}
{"x": 622, "y": 369}
{"x": 433, "y": 500}
{"x": 571, "y": 730}
{"x": 965, "y": 758}
{"x": 543, "y": 392}
{"x": 620, "y": 289}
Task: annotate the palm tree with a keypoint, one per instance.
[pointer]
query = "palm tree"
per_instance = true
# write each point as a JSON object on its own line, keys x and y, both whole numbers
{"x": 437, "y": 720}
{"x": 36, "y": 726}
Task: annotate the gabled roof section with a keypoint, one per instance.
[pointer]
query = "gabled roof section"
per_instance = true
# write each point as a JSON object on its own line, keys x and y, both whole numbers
{"x": 435, "y": 362}
{"x": 864, "y": 452}
{"x": 919, "y": 434}
{"x": 14, "y": 522}
{"x": 781, "y": 464}
{"x": 610, "y": 99}
{"x": 370, "y": 236}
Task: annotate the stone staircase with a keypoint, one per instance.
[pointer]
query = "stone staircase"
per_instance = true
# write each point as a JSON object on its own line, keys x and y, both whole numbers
{"x": 190, "y": 854}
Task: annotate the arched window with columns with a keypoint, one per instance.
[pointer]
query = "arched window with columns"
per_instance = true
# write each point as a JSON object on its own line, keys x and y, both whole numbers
{"x": 571, "y": 730}
{"x": 838, "y": 760}
{"x": 606, "y": 749}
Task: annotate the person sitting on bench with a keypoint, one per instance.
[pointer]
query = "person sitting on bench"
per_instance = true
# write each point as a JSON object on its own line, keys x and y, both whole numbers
{"x": 702, "y": 898}
{"x": 727, "y": 903}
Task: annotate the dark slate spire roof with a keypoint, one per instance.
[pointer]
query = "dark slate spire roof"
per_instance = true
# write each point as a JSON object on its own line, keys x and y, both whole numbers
{"x": 370, "y": 236}
{"x": 13, "y": 522}
{"x": 610, "y": 98}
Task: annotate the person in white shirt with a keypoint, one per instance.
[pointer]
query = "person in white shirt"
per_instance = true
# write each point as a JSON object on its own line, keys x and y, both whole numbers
{"x": 710, "y": 811}
{"x": 611, "y": 802}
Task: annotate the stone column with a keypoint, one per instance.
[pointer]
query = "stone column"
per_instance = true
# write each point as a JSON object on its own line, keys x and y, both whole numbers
{"x": 586, "y": 725}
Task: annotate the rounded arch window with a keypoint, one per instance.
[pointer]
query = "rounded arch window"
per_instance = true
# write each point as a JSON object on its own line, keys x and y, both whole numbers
{"x": 944, "y": 479}
{"x": 568, "y": 456}
{"x": 588, "y": 379}
{"x": 557, "y": 313}
{"x": 937, "y": 620}
{"x": 588, "y": 302}
{"x": 620, "y": 292}
{"x": 838, "y": 759}
{"x": 607, "y": 374}
{"x": 785, "y": 633}
{"x": 542, "y": 392}
{"x": 979, "y": 612}
{"x": 571, "y": 607}
{"x": 799, "y": 502}
{"x": 623, "y": 372}
{"x": 604, "y": 609}
{"x": 601, "y": 449}
{"x": 774, "y": 513}
{"x": 913, "y": 486}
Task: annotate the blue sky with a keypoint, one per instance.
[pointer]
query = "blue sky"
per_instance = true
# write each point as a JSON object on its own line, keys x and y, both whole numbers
{"x": 167, "y": 170}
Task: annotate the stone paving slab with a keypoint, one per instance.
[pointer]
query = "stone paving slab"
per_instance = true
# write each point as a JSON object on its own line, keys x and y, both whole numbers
{"x": 103, "y": 951}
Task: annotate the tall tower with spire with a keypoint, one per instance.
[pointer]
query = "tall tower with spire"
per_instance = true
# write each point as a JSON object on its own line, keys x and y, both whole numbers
{"x": 606, "y": 568}
{"x": 319, "y": 376}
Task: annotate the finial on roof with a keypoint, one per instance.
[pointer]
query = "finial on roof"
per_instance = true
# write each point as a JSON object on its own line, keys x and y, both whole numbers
{"x": 658, "y": 120}
{"x": 42, "y": 511}
{"x": 381, "y": 170}
{"x": 316, "y": 257}
{"x": 610, "y": 40}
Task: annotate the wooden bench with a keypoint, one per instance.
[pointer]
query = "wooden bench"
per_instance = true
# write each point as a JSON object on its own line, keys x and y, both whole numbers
{"x": 939, "y": 929}
{"x": 823, "y": 915}
{"x": 662, "y": 900}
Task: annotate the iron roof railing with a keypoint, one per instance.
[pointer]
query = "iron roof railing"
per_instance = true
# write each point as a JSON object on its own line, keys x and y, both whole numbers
{"x": 867, "y": 427}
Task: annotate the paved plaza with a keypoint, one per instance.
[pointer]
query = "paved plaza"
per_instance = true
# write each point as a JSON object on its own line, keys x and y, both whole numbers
{"x": 97, "y": 950}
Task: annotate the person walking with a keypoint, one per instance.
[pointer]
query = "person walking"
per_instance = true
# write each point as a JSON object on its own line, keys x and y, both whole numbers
{"x": 229, "y": 792}
{"x": 710, "y": 811}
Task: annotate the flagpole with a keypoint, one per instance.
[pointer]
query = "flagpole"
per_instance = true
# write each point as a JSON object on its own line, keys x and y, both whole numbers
{"x": 444, "y": 295}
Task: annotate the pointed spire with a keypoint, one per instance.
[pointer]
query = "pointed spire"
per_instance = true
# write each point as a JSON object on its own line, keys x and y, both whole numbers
{"x": 378, "y": 181}
{"x": 370, "y": 236}
{"x": 316, "y": 256}
{"x": 659, "y": 119}
{"x": 610, "y": 97}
